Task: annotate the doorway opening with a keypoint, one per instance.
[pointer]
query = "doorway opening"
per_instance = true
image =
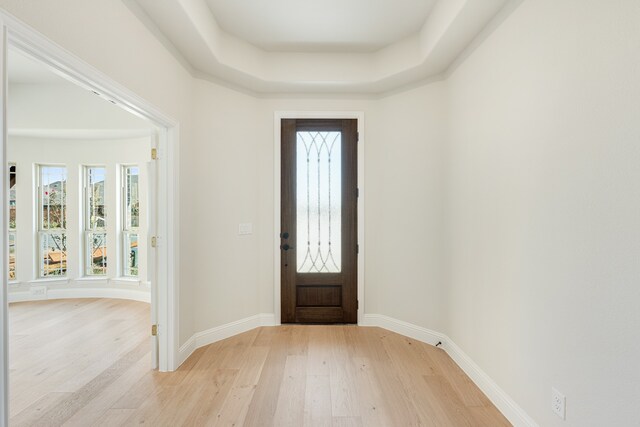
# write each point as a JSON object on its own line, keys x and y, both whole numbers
{"x": 80, "y": 182}
{"x": 93, "y": 251}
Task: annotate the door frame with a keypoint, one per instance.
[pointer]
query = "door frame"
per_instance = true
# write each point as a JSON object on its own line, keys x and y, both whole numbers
{"x": 20, "y": 36}
{"x": 277, "y": 146}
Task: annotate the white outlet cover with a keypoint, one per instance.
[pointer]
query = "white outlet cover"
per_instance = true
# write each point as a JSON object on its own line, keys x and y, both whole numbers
{"x": 38, "y": 291}
{"x": 245, "y": 228}
{"x": 558, "y": 403}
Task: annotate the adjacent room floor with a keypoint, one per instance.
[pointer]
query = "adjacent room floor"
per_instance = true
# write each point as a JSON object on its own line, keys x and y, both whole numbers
{"x": 71, "y": 360}
{"x": 87, "y": 362}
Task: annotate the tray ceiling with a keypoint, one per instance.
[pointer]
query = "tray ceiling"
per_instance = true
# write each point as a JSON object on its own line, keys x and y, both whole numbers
{"x": 333, "y": 46}
{"x": 321, "y": 26}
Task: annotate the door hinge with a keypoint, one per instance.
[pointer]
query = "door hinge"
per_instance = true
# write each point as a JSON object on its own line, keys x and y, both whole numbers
{"x": 357, "y": 304}
{"x": 154, "y": 330}
{"x": 357, "y": 136}
{"x": 357, "y": 248}
{"x": 155, "y": 241}
{"x": 357, "y": 192}
{"x": 154, "y": 154}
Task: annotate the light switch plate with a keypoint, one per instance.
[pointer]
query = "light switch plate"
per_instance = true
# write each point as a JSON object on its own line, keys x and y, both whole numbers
{"x": 245, "y": 228}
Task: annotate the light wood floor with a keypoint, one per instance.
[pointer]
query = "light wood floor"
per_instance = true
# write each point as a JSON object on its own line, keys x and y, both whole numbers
{"x": 87, "y": 363}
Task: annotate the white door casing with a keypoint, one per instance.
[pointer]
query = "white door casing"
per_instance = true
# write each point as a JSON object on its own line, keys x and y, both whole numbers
{"x": 4, "y": 355}
{"x": 152, "y": 255}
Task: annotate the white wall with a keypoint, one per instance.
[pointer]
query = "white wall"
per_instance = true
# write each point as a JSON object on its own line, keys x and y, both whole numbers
{"x": 28, "y": 152}
{"x": 224, "y": 179}
{"x": 403, "y": 221}
{"x": 406, "y": 135}
{"x": 544, "y": 209}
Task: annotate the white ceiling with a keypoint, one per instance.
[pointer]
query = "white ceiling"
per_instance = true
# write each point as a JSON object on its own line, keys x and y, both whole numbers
{"x": 321, "y": 26}
{"x": 312, "y": 46}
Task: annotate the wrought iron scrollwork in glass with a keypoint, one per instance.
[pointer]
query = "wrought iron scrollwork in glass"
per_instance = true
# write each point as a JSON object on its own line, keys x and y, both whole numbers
{"x": 319, "y": 201}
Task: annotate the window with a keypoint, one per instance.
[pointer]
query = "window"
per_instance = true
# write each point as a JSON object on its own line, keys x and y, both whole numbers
{"x": 95, "y": 222}
{"x": 52, "y": 221}
{"x": 12, "y": 222}
{"x": 130, "y": 220}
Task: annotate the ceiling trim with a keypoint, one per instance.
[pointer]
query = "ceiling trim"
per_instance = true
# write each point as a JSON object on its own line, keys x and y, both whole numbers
{"x": 190, "y": 32}
{"x": 83, "y": 134}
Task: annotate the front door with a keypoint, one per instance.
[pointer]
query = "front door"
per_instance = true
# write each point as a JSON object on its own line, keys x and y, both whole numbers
{"x": 319, "y": 238}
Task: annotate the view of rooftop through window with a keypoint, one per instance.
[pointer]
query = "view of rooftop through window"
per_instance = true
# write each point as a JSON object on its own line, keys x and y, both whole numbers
{"x": 95, "y": 221}
{"x": 131, "y": 202}
{"x": 12, "y": 222}
{"x": 51, "y": 208}
{"x": 52, "y": 201}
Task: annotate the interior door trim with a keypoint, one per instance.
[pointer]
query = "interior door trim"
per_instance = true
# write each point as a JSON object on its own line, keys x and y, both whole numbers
{"x": 278, "y": 116}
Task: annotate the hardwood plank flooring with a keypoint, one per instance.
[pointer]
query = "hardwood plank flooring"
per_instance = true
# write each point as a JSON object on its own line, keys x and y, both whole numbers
{"x": 86, "y": 362}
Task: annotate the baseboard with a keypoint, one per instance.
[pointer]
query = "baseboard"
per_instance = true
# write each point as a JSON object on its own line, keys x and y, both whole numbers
{"x": 124, "y": 281}
{"x": 505, "y": 404}
{"x": 403, "y": 328}
{"x": 200, "y": 339}
{"x": 226, "y": 331}
{"x": 267, "y": 319}
{"x": 186, "y": 350}
{"x": 130, "y": 294}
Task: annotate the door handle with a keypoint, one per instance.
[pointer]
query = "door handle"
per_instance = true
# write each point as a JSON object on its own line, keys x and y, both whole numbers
{"x": 286, "y": 247}
{"x": 284, "y": 235}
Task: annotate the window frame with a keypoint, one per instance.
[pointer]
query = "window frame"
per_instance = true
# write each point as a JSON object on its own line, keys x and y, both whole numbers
{"x": 127, "y": 231}
{"x": 12, "y": 231}
{"x": 87, "y": 230}
{"x": 40, "y": 231}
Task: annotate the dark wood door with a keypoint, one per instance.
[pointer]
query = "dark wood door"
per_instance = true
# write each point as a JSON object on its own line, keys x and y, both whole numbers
{"x": 319, "y": 238}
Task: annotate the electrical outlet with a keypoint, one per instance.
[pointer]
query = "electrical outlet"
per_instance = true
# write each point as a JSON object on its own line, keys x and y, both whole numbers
{"x": 38, "y": 290}
{"x": 558, "y": 403}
